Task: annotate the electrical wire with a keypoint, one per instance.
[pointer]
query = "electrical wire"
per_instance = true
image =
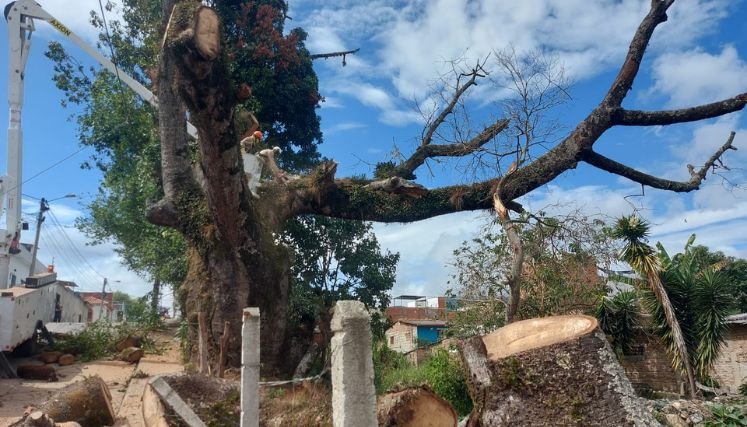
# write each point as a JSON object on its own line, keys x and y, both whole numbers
{"x": 72, "y": 245}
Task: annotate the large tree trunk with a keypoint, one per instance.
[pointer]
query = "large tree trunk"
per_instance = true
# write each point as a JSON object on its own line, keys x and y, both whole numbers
{"x": 233, "y": 260}
{"x": 549, "y": 371}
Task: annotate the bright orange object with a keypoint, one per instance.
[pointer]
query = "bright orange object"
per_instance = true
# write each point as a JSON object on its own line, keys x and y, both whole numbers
{"x": 257, "y": 134}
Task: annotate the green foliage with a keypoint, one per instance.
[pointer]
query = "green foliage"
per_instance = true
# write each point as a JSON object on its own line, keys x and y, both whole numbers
{"x": 390, "y": 368}
{"x": 137, "y": 310}
{"x": 442, "y": 372}
{"x": 701, "y": 297}
{"x": 726, "y": 416}
{"x": 98, "y": 338}
{"x": 560, "y": 271}
{"x": 619, "y": 317}
{"x": 122, "y": 128}
{"x": 336, "y": 260}
{"x": 476, "y": 318}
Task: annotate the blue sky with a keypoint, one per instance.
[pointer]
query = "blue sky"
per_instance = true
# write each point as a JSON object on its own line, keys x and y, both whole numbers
{"x": 698, "y": 56}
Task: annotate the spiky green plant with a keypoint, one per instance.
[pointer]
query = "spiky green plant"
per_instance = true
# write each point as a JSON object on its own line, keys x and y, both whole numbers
{"x": 619, "y": 317}
{"x": 644, "y": 260}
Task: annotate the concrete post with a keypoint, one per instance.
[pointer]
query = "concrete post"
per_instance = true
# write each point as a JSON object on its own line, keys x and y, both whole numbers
{"x": 250, "y": 368}
{"x": 353, "y": 392}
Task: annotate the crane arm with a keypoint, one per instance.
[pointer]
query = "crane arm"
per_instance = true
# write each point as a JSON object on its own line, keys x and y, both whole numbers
{"x": 20, "y": 16}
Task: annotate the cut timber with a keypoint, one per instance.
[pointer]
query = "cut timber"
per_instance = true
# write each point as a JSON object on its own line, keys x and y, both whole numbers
{"x": 550, "y": 371}
{"x": 131, "y": 354}
{"x": 413, "y": 407}
{"x": 86, "y": 402}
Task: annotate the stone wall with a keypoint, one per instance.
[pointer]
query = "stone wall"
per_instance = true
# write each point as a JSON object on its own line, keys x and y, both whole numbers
{"x": 730, "y": 370}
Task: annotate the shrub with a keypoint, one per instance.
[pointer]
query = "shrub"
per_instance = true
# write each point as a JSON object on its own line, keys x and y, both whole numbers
{"x": 442, "y": 372}
{"x": 98, "y": 338}
{"x": 726, "y": 416}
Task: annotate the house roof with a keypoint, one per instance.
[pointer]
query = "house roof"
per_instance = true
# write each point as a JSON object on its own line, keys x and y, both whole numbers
{"x": 94, "y": 301}
{"x": 16, "y": 291}
{"x": 424, "y": 322}
{"x": 739, "y": 319}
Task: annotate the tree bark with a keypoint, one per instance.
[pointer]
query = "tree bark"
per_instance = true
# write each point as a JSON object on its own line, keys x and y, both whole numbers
{"x": 549, "y": 371}
{"x": 86, "y": 402}
{"x": 412, "y": 407}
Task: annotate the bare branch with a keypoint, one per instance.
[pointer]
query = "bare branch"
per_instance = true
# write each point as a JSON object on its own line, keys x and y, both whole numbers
{"x": 652, "y": 118}
{"x": 696, "y": 178}
{"x": 476, "y": 72}
{"x": 624, "y": 80}
{"x": 335, "y": 54}
{"x": 424, "y": 152}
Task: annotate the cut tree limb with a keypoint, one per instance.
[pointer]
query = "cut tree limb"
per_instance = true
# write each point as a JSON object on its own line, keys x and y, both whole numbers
{"x": 412, "y": 407}
{"x": 549, "y": 371}
{"x": 87, "y": 402}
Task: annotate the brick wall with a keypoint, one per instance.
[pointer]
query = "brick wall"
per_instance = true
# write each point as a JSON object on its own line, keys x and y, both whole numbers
{"x": 730, "y": 369}
{"x": 402, "y": 337}
{"x": 648, "y": 366}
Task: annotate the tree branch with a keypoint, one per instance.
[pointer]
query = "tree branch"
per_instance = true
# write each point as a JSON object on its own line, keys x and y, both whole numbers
{"x": 476, "y": 72}
{"x": 357, "y": 199}
{"x": 696, "y": 178}
{"x": 652, "y": 118}
{"x": 335, "y": 54}
{"x": 624, "y": 80}
{"x": 425, "y": 151}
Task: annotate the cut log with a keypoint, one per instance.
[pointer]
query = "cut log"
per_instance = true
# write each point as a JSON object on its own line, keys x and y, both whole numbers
{"x": 550, "y": 371}
{"x": 131, "y": 354}
{"x": 128, "y": 341}
{"x": 86, "y": 402}
{"x": 66, "y": 359}
{"x": 412, "y": 407}
{"x": 37, "y": 372}
{"x": 49, "y": 356}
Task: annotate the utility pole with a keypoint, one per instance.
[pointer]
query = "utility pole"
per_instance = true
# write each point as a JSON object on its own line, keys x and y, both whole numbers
{"x": 103, "y": 295}
{"x": 43, "y": 207}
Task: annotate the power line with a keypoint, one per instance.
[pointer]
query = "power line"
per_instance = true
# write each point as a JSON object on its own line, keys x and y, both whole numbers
{"x": 72, "y": 245}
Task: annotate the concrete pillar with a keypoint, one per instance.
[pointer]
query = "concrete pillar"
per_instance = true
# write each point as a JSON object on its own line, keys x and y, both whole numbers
{"x": 250, "y": 368}
{"x": 353, "y": 392}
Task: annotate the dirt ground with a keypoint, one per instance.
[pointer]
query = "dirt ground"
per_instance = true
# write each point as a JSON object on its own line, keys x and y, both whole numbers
{"x": 126, "y": 382}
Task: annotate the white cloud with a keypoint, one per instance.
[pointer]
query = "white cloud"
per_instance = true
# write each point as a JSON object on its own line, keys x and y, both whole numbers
{"x": 425, "y": 249}
{"x": 76, "y": 17}
{"x": 696, "y": 77}
{"x": 342, "y": 127}
{"x": 409, "y": 43}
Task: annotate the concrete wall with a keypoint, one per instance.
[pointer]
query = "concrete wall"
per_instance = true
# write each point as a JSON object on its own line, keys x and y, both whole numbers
{"x": 402, "y": 337}
{"x": 74, "y": 309}
{"x": 730, "y": 369}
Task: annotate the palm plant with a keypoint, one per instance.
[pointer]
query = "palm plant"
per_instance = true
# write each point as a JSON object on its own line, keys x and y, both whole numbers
{"x": 700, "y": 297}
{"x": 619, "y": 318}
{"x": 644, "y": 260}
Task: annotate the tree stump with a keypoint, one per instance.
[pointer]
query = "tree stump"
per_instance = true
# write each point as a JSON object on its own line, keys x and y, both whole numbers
{"x": 415, "y": 406}
{"x": 86, "y": 402}
{"x": 550, "y": 371}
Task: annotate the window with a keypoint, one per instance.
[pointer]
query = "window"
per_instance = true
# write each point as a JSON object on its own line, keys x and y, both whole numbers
{"x": 391, "y": 340}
